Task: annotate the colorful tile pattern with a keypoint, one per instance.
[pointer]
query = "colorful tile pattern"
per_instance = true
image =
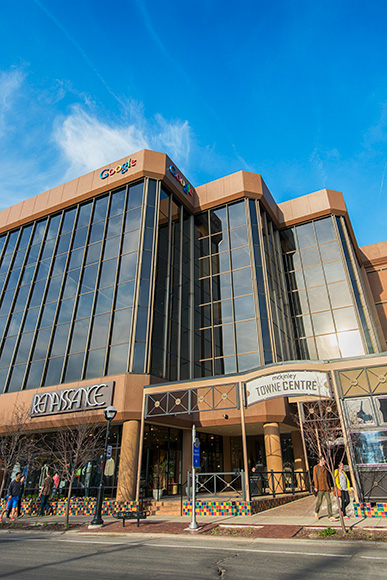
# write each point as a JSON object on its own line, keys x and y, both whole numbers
{"x": 78, "y": 507}
{"x": 235, "y": 508}
{"x": 367, "y": 510}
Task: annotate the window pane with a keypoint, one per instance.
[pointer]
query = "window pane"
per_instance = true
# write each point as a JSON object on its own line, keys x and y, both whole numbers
{"x": 330, "y": 252}
{"x": 7, "y": 352}
{"x": 79, "y": 238}
{"x": 124, "y": 295}
{"x": 89, "y": 278}
{"x": 220, "y": 263}
{"x": 24, "y": 347}
{"x": 76, "y": 259}
{"x": 93, "y": 253}
{"x": 310, "y": 257}
{"x": 323, "y": 323}
{"x": 66, "y": 310}
{"x": 96, "y": 232}
{"x": 340, "y": 295}
{"x": 222, "y": 312}
{"x": 246, "y": 336}
{"x": 318, "y": 299}
{"x": 128, "y": 267}
{"x": 71, "y": 284}
{"x": 54, "y": 289}
{"x": 240, "y": 258}
{"x": 239, "y": 237}
{"x": 14, "y": 325}
{"x": 242, "y": 282}
{"x": 108, "y": 273}
{"x": 74, "y": 367}
{"x": 16, "y": 380}
{"x": 345, "y": 319}
{"x": 327, "y": 346}
{"x": 350, "y": 343}
{"x": 305, "y": 235}
{"x": 48, "y": 315}
{"x": 100, "y": 209}
{"x": 118, "y": 359}
{"x": 104, "y": 300}
{"x": 111, "y": 248}
{"x": 117, "y": 202}
{"x": 63, "y": 244}
{"x": 248, "y": 361}
{"x": 334, "y": 272}
{"x": 237, "y": 214}
{"x": 325, "y": 230}
{"x": 79, "y": 337}
{"x": 41, "y": 344}
{"x": 60, "y": 340}
{"x": 34, "y": 378}
{"x": 114, "y": 226}
{"x": 84, "y": 215}
{"x": 135, "y": 196}
{"x": 314, "y": 276}
{"x": 218, "y": 219}
{"x": 132, "y": 219}
{"x": 37, "y": 293}
{"x": 68, "y": 221}
{"x": 30, "y": 320}
{"x": 244, "y": 307}
{"x": 85, "y": 304}
{"x": 95, "y": 363}
{"x": 54, "y": 371}
{"x": 121, "y": 326}
{"x": 100, "y": 330}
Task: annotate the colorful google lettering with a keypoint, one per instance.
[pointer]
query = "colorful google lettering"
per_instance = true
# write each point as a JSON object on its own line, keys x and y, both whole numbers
{"x": 119, "y": 169}
{"x": 186, "y": 186}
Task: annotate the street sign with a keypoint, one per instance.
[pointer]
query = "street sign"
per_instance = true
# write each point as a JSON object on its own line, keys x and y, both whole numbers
{"x": 196, "y": 453}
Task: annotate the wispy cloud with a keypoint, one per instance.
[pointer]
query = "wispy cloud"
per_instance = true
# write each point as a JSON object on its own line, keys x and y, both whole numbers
{"x": 10, "y": 83}
{"x": 86, "y": 142}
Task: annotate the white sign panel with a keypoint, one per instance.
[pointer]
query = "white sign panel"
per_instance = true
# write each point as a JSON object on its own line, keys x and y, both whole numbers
{"x": 290, "y": 384}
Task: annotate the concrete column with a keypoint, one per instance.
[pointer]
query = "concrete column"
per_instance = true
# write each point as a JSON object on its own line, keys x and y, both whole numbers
{"x": 273, "y": 455}
{"x": 299, "y": 460}
{"x": 127, "y": 474}
{"x": 226, "y": 453}
{"x": 186, "y": 463}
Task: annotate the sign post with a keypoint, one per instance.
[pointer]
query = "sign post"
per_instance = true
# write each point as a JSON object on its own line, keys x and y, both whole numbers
{"x": 195, "y": 463}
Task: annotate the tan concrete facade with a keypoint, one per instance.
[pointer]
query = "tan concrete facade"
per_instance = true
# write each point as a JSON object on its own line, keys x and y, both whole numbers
{"x": 270, "y": 418}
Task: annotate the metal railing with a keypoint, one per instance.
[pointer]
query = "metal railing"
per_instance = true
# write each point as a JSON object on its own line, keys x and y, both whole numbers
{"x": 219, "y": 483}
{"x": 279, "y": 482}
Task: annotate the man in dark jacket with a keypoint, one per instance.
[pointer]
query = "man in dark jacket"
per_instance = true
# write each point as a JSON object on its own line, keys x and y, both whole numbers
{"x": 322, "y": 488}
{"x": 13, "y": 493}
{"x": 45, "y": 493}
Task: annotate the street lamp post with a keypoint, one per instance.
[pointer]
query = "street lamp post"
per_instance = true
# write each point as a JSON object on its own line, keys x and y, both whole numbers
{"x": 110, "y": 413}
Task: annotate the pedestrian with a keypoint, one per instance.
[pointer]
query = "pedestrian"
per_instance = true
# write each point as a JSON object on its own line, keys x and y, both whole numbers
{"x": 343, "y": 487}
{"x": 13, "y": 493}
{"x": 19, "y": 501}
{"x": 322, "y": 488}
{"x": 45, "y": 493}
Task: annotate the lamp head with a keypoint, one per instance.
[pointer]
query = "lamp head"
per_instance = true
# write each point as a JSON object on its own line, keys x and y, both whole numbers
{"x": 110, "y": 413}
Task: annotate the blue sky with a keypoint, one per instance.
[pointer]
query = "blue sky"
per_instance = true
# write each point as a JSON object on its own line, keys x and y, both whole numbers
{"x": 294, "y": 90}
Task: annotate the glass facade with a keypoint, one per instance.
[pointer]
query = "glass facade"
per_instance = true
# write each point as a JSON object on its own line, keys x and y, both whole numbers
{"x": 70, "y": 290}
{"x": 328, "y": 314}
{"x": 131, "y": 281}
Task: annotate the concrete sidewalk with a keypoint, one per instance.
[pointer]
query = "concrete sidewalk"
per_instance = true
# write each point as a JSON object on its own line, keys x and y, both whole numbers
{"x": 299, "y": 513}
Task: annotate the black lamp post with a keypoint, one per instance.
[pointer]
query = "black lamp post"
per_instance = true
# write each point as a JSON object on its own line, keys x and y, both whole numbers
{"x": 110, "y": 413}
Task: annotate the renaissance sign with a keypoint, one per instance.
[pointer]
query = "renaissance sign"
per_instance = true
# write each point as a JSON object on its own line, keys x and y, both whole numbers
{"x": 291, "y": 384}
{"x": 70, "y": 400}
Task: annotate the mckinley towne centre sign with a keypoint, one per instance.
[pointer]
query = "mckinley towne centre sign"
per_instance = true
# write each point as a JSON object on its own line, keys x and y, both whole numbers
{"x": 69, "y": 400}
{"x": 287, "y": 385}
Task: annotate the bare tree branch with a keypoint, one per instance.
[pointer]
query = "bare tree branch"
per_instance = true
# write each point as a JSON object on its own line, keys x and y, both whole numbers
{"x": 72, "y": 448}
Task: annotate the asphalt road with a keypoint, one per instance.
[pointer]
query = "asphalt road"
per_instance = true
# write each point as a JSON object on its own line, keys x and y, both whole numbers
{"x": 59, "y": 557}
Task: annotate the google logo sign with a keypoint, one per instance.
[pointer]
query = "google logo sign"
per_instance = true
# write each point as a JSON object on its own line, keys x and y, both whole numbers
{"x": 119, "y": 169}
{"x": 186, "y": 186}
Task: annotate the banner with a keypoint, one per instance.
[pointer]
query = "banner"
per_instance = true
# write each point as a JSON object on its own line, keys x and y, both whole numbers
{"x": 289, "y": 384}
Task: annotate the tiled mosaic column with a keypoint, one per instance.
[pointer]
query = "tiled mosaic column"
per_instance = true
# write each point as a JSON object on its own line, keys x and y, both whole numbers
{"x": 127, "y": 475}
{"x": 273, "y": 455}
